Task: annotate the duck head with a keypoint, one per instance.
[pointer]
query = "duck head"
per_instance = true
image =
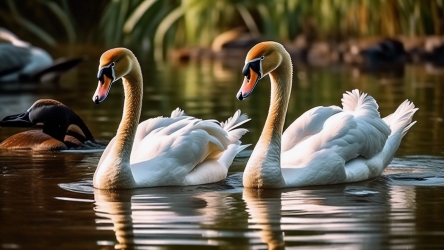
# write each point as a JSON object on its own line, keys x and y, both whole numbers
{"x": 261, "y": 60}
{"x": 49, "y": 113}
{"x": 114, "y": 64}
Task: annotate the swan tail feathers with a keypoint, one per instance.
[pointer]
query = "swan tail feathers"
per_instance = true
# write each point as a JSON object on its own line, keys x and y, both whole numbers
{"x": 236, "y": 134}
{"x": 242, "y": 147}
{"x": 399, "y": 122}
{"x": 401, "y": 119}
{"x": 235, "y": 121}
{"x": 226, "y": 159}
{"x": 406, "y": 129}
{"x": 361, "y": 104}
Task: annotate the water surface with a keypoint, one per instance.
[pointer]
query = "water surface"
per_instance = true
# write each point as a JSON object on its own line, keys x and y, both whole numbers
{"x": 47, "y": 201}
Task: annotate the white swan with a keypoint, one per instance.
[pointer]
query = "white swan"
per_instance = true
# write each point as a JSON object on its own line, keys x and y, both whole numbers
{"x": 174, "y": 151}
{"x": 326, "y": 145}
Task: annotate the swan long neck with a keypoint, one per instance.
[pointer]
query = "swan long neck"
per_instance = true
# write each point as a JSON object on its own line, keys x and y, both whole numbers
{"x": 280, "y": 95}
{"x": 115, "y": 171}
{"x": 264, "y": 167}
{"x": 132, "y": 85}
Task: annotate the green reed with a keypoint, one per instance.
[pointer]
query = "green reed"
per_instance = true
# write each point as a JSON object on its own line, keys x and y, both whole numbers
{"x": 180, "y": 23}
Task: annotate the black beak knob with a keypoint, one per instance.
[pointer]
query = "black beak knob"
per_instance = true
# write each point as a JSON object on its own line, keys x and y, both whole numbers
{"x": 239, "y": 96}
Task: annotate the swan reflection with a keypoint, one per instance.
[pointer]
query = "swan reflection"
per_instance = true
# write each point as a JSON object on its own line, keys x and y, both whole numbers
{"x": 343, "y": 216}
{"x": 170, "y": 216}
{"x": 264, "y": 208}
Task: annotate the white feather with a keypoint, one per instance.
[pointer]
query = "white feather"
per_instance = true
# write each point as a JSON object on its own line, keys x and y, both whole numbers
{"x": 352, "y": 144}
{"x": 182, "y": 150}
{"x": 401, "y": 118}
{"x": 177, "y": 112}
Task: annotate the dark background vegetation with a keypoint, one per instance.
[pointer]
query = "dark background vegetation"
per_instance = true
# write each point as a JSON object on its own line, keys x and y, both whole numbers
{"x": 180, "y": 23}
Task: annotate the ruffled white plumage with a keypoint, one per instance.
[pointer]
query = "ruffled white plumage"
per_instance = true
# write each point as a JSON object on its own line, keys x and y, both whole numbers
{"x": 183, "y": 150}
{"x": 329, "y": 145}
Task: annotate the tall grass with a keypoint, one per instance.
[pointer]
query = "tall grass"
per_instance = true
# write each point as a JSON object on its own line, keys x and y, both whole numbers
{"x": 58, "y": 11}
{"x": 178, "y": 23}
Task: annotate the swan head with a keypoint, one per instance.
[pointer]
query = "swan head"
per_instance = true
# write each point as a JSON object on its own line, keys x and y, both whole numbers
{"x": 114, "y": 64}
{"x": 261, "y": 60}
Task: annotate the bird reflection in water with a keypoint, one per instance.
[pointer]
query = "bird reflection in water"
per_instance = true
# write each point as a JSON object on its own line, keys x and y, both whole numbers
{"x": 320, "y": 217}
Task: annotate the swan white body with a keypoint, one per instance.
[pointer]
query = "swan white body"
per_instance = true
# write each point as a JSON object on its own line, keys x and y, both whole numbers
{"x": 177, "y": 151}
{"x": 174, "y": 151}
{"x": 326, "y": 145}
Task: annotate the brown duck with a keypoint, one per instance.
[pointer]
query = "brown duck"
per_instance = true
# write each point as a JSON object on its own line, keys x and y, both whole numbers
{"x": 62, "y": 129}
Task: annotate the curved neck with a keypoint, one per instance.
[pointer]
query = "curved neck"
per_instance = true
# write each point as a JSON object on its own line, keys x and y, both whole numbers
{"x": 263, "y": 169}
{"x": 115, "y": 171}
{"x": 132, "y": 85}
{"x": 55, "y": 128}
{"x": 76, "y": 120}
{"x": 281, "y": 83}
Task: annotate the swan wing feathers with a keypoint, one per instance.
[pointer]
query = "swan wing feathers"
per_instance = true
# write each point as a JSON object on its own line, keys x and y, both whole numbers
{"x": 371, "y": 129}
{"x": 308, "y": 124}
{"x": 144, "y": 129}
{"x": 217, "y": 135}
{"x": 357, "y": 130}
{"x": 153, "y": 124}
{"x": 183, "y": 150}
{"x": 187, "y": 140}
{"x": 177, "y": 112}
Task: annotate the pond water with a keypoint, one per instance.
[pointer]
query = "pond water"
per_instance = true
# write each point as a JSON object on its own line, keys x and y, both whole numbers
{"x": 47, "y": 200}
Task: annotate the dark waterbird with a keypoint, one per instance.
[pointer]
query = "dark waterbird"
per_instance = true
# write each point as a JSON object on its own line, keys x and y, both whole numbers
{"x": 387, "y": 51}
{"x": 22, "y": 62}
{"x": 61, "y": 129}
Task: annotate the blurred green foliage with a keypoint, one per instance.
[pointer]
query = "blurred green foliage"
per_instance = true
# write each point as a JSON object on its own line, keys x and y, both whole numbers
{"x": 181, "y": 23}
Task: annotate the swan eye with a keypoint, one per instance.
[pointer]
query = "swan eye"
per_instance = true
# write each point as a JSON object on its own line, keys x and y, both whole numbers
{"x": 255, "y": 65}
{"x": 246, "y": 71}
{"x": 107, "y": 71}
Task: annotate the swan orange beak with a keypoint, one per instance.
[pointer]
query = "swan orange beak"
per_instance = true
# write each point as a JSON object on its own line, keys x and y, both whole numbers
{"x": 106, "y": 77}
{"x": 248, "y": 85}
{"x": 102, "y": 90}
